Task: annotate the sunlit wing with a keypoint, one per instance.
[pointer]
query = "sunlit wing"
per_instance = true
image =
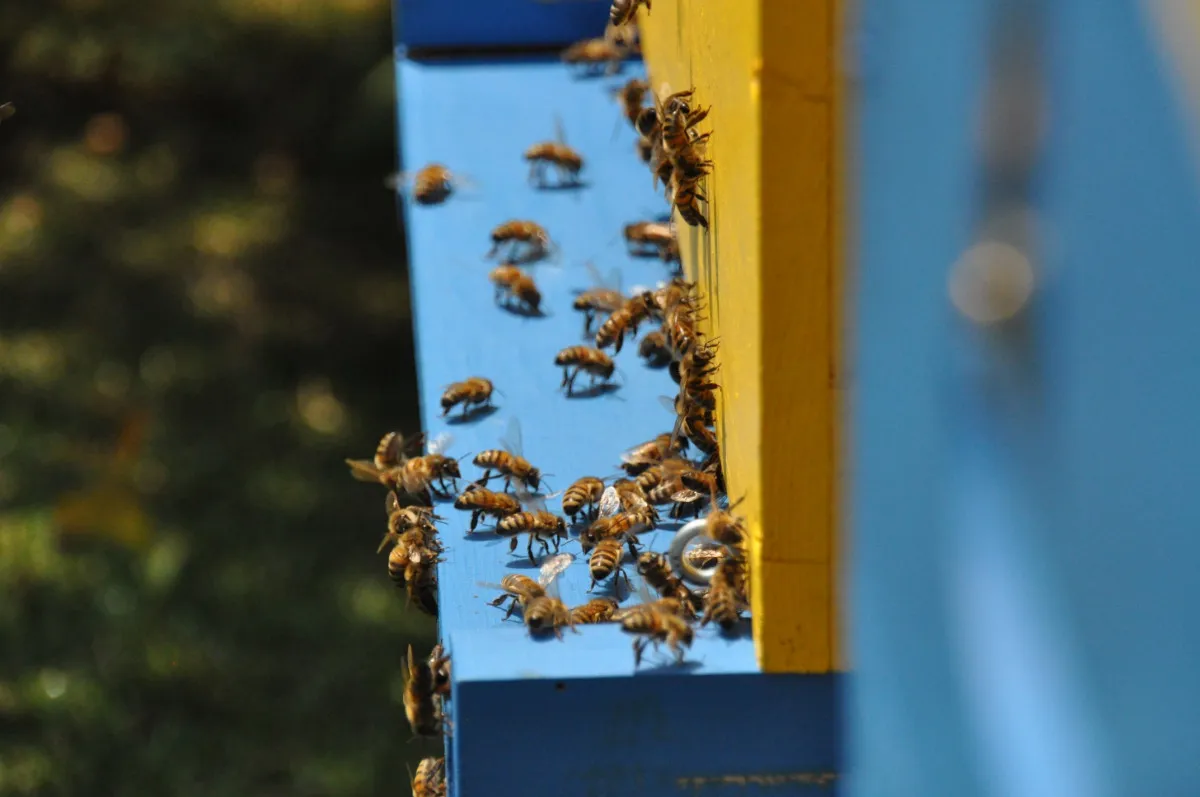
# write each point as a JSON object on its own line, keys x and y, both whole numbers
{"x": 511, "y": 441}
{"x": 610, "y": 502}
{"x": 440, "y": 443}
{"x": 553, "y": 567}
{"x": 363, "y": 469}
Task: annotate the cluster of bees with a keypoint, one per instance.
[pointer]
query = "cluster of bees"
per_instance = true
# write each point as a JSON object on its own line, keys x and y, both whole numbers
{"x": 677, "y": 474}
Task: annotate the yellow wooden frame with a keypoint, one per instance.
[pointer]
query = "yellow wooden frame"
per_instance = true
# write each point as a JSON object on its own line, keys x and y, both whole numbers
{"x": 770, "y": 269}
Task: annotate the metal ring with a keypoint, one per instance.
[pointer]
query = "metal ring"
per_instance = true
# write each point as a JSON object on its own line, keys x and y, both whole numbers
{"x": 683, "y": 538}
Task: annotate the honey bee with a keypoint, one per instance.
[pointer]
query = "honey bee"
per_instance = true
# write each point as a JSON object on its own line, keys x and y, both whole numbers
{"x": 515, "y": 290}
{"x": 432, "y": 185}
{"x": 633, "y": 96}
{"x": 695, "y": 427}
{"x": 726, "y": 595}
{"x": 517, "y": 233}
{"x": 654, "y": 349}
{"x": 726, "y": 528}
{"x": 547, "y": 612}
{"x": 574, "y": 359}
{"x": 649, "y": 238}
{"x": 417, "y": 476}
{"x": 565, "y": 160}
{"x": 625, "y": 320}
{"x": 519, "y": 590}
{"x": 439, "y": 665}
{"x": 413, "y": 537}
{"x": 583, "y": 492}
{"x": 623, "y": 12}
{"x": 508, "y": 462}
{"x": 480, "y": 502}
{"x": 686, "y": 199}
{"x": 656, "y": 570}
{"x": 597, "y": 610}
{"x": 704, "y": 558}
{"x": 544, "y": 528}
{"x": 654, "y": 623}
{"x": 679, "y": 324}
{"x": 422, "y": 710}
{"x": 472, "y": 393}
{"x": 652, "y": 452}
{"x": 623, "y": 526}
{"x": 595, "y": 55}
{"x": 605, "y": 297}
{"x": 419, "y": 576}
{"x": 632, "y": 498}
{"x": 430, "y": 780}
{"x": 605, "y": 559}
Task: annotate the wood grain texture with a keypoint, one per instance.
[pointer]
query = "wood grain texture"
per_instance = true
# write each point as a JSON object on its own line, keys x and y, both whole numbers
{"x": 769, "y": 266}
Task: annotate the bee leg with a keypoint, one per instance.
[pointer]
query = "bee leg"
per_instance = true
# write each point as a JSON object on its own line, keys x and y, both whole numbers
{"x": 620, "y": 340}
{"x": 512, "y": 545}
{"x": 639, "y": 645}
{"x": 474, "y": 520}
{"x": 512, "y": 607}
{"x": 529, "y": 551}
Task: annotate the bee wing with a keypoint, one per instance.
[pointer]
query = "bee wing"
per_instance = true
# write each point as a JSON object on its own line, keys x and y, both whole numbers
{"x": 440, "y": 443}
{"x": 560, "y": 134}
{"x": 686, "y": 496}
{"x": 553, "y": 567}
{"x": 391, "y": 504}
{"x": 610, "y": 502}
{"x": 512, "y": 438}
{"x": 363, "y": 469}
{"x": 533, "y": 503}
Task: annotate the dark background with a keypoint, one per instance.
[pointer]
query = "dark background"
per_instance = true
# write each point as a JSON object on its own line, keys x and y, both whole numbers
{"x": 203, "y": 310}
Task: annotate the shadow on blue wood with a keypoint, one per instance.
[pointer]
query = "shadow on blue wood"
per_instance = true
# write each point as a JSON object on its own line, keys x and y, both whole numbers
{"x": 1025, "y": 520}
{"x": 464, "y": 24}
{"x": 566, "y": 717}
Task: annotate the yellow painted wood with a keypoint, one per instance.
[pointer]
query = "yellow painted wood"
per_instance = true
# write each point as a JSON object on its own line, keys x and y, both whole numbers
{"x": 769, "y": 267}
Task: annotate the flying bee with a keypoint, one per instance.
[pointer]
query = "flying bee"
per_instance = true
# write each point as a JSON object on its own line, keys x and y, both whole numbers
{"x": 654, "y": 624}
{"x": 515, "y": 290}
{"x": 517, "y": 234}
{"x": 430, "y": 780}
{"x": 416, "y": 476}
{"x": 596, "y": 55}
{"x": 508, "y": 462}
{"x": 422, "y": 710}
{"x": 597, "y": 610}
{"x": 649, "y": 238}
{"x": 480, "y": 502}
{"x": 654, "y": 349}
{"x": 557, "y": 154}
{"x": 430, "y": 185}
{"x": 656, "y": 570}
{"x": 474, "y": 392}
{"x": 544, "y": 528}
{"x": 625, "y": 320}
{"x": 624, "y": 12}
{"x": 415, "y": 569}
{"x": 605, "y": 297}
{"x": 652, "y": 452}
{"x": 726, "y": 594}
{"x": 633, "y": 96}
{"x": 583, "y": 492}
{"x": 574, "y": 359}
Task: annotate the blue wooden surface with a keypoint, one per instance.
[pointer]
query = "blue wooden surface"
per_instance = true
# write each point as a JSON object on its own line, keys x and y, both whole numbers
{"x": 478, "y": 118}
{"x": 1024, "y": 523}
{"x": 497, "y": 23}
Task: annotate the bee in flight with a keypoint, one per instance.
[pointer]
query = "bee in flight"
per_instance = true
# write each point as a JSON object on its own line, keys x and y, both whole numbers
{"x": 557, "y": 154}
{"x": 418, "y": 476}
{"x": 656, "y": 571}
{"x": 473, "y": 393}
{"x": 508, "y": 462}
{"x": 515, "y": 290}
{"x": 596, "y": 56}
{"x": 604, "y": 297}
{"x": 625, "y": 320}
{"x": 421, "y": 705}
{"x": 574, "y": 359}
{"x": 430, "y": 185}
{"x": 527, "y": 241}
{"x": 651, "y": 239}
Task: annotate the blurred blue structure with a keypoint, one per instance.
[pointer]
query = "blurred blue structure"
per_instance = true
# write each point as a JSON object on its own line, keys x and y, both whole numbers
{"x": 507, "y": 24}
{"x": 1024, "y": 518}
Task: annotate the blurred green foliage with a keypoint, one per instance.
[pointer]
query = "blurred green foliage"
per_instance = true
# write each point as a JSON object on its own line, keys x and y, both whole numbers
{"x": 202, "y": 311}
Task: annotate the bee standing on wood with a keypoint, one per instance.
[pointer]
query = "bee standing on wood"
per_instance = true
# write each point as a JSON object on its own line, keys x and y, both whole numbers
{"x": 544, "y": 528}
{"x": 430, "y": 780}
{"x": 656, "y": 623}
{"x": 416, "y": 476}
{"x": 420, "y": 706}
{"x": 508, "y": 462}
{"x": 519, "y": 590}
{"x": 480, "y": 502}
{"x": 654, "y": 349}
{"x": 597, "y": 610}
{"x": 558, "y": 154}
{"x": 574, "y": 359}
{"x": 515, "y": 290}
{"x": 583, "y": 492}
{"x": 546, "y": 612}
{"x": 726, "y": 594}
{"x": 624, "y": 12}
{"x": 656, "y": 570}
{"x": 517, "y": 234}
{"x": 474, "y": 392}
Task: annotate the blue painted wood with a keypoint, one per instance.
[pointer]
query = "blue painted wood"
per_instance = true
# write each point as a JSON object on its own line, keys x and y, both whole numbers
{"x": 1024, "y": 528}
{"x": 497, "y": 23}
{"x": 582, "y": 737}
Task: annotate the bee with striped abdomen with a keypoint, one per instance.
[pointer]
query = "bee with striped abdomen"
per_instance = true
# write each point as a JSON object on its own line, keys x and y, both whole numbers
{"x": 515, "y": 290}
{"x": 604, "y": 297}
{"x": 583, "y": 493}
{"x": 557, "y": 154}
{"x": 575, "y": 359}
{"x": 595, "y": 55}
{"x": 481, "y": 502}
{"x": 472, "y": 393}
{"x": 430, "y": 779}
{"x": 655, "y": 623}
{"x": 597, "y": 610}
{"x": 726, "y": 597}
{"x": 526, "y": 238}
{"x": 544, "y": 528}
{"x": 508, "y": 461}
{"x": 656, "y": 570}
{"x": 625, "y": 320}
{"x": 416, "y": 476}
{"x": 420, "y": 706}
{"x": 633, "y": 98}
